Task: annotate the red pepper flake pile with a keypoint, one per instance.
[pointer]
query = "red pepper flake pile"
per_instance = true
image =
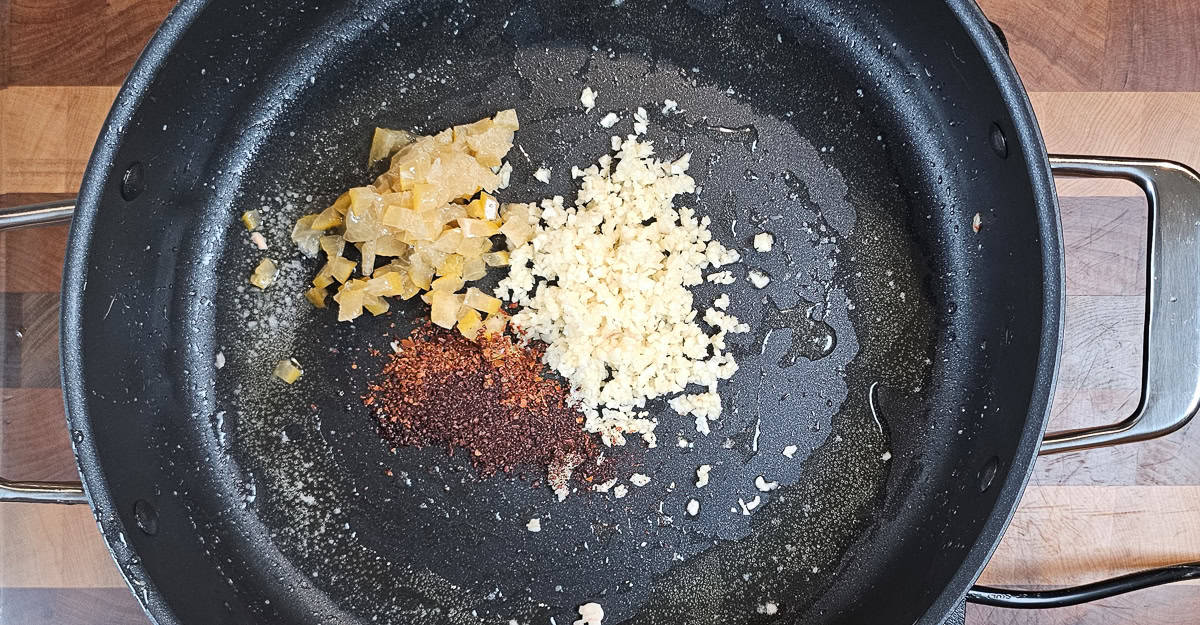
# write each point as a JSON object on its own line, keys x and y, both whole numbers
{"x": 488, "y": 397}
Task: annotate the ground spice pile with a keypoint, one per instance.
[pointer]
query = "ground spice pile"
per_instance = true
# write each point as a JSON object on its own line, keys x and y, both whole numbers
{"x": 489, "y": 398}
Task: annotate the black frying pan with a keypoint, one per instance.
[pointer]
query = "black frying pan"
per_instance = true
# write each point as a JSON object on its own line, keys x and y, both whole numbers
{"x": 865, "y": 135}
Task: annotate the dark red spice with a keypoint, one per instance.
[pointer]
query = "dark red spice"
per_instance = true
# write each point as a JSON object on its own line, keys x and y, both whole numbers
{"x": 488, "y": 397}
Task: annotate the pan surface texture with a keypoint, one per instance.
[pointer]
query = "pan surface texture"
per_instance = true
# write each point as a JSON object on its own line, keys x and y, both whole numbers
{"x": 908, "y": 355}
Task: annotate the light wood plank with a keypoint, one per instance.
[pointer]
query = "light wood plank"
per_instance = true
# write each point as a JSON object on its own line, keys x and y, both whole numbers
{"x": 1102, "y": 45}
{"x": 79, "y": 42}
{"x": 34, "y": 442}
{"x": 56, "y": 606}
{"x": 47, "y": 546}
{"x": 1075, "y": 534}
{"x": 1150, "y": 125}
{"x": 46, "y": 136}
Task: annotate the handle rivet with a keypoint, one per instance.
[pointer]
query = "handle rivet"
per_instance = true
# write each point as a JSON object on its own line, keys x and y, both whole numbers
{"x": 146, "y": 517}
{"x": 987, "y": 474}
{"x": 998, "y": 142}
{"x": 134, "y": 181}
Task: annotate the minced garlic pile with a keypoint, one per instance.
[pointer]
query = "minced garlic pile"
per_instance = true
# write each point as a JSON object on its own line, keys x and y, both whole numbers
{"x": 605, "y": 284}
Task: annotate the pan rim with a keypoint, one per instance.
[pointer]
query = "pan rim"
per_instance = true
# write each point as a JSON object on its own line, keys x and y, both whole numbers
{"x": 1028, "y": 144}
{"x": 1031, "y": 146}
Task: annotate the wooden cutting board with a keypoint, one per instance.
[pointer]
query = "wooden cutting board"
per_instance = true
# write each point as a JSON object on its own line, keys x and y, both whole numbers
{"x": 1106, "y": 77}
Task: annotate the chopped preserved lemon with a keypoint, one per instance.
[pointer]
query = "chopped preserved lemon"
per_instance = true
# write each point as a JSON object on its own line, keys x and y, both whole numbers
{"x": 424, "y": 195}
{"x": 443, "y": 308}
{"x": 342, "y": 203}
{"x": 386, "y": 142}
{"x": 333, "y": 245}
{"x": 469, "y": 323}
{"x": 316, "y": 296}
{"x": 495, "y": 323}
{"x": 478, "y": 227}
{"x": 481, "y": 301}
{"x": 264, "y": 273}
{"x": 288, "y": 370}
{"x": 474, "y": 247}
{"x": 474, "y": 268}
{"x": 452, "y": 212}
{"x": 484, "y": 207}
{"x": 452, "y": 265}
{"x": 368, "y": 256}
{"x": 341, "y": 268}
{"x": 252, "y": 220}
{"x": 496, "y": 259}
{"x": 449, "y": 241}
{"x": 388, "y": 285}
{"x": 324, "y": 277}
{"x": 350, "y": 300}
{"x": 507, "y": 119}
{"x": 391, "y": 246}
{"x": 400, "y": 218}
{"x": 421, "y": 274}
{"x": 449, "y": 284}
{"x": 422, "y": 215}
{"x": 328, "y": 218}
{"x": 375, "y": 305}
{"x": 305, "y": 237}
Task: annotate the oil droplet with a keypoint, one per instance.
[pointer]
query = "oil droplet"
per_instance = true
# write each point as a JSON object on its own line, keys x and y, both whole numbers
{"x": 812, "y": 339}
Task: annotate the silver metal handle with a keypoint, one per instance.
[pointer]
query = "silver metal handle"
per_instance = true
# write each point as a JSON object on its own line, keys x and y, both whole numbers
{"x": 39, "y": 492}
{"x": 42, "y": 492}
{"x": 1171, "y": 356}
{"x": 37, "y": 214}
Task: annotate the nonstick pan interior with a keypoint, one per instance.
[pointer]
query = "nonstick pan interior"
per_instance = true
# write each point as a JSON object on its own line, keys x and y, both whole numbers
{"x": 895, "y": 346}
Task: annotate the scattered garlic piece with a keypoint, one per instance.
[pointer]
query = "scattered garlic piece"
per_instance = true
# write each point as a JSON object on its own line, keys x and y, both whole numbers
{"x": 702, "y": 475}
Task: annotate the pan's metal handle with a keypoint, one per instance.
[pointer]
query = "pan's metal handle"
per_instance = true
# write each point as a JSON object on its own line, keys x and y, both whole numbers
{"x": 42, "y": 214}
{"x": 1171, "y": 356}
{"x": 42, "y": 492}
{"x": 39, "y": 492}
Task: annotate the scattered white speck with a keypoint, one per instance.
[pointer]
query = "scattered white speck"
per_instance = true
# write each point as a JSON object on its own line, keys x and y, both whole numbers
{"x": 721, "y": 277}
{"x": 542, "y": 175}
{"x": 977, "y": 223}
{"x": 610, "y": 120}
{"x": 641, "y": 121}
{"x": 258, "y": 240}
{"x": 588, "y": 98}
{"x": 639, "y": 479}
{"x": 887, "y": 455}
{"x": 768, "y": 608}
{"x": 620, "y": 491}
{"x": 604, "y": 488}
{"x": 219, "y": 360}
{"x": 396, "y": 349}
{"x": 590, "y": 614}
{"x": 764, "y": 241}
{"x": 790, "y": 450}
{"x": 758, "y": 278}
{"x": 762, "y": 484}
{"x": 683, "y": 443}
{"x": 748, "y": 506}
{"x": 693, "y": 507}
{"x": 534, "y": 525}
{"x": 702, "y": 475}
{"x": 721, "y": 302}
{"x": 669, "y": 106}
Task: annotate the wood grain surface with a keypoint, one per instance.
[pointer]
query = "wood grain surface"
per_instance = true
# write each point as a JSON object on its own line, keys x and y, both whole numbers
{"x": 1106, "y": 77}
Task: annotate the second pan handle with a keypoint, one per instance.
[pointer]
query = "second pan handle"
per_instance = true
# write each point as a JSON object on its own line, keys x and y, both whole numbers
{"x": 1171, "y": 356}
{"x": 39, "y": 492}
